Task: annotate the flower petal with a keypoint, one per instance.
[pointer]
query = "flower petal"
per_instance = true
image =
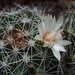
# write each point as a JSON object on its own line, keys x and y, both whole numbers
{"x": 58, "y": 24}
{"x": 63, "y": 42}
{"x": 38, "y": 37}
{"x": 58, "y": 47}
{"x": 58, "y": 35}
{"x": 47, "y": 20}
{"x": 42, "y": 29}
{"x": 51, "y": 44}
{"x": 50, "y": 23}
{"x": 45, "y": 44}
{"x": 56, "y": 54}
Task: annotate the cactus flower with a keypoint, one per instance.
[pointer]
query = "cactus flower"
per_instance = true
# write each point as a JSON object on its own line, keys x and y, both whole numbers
{"x": 50, "y": 34}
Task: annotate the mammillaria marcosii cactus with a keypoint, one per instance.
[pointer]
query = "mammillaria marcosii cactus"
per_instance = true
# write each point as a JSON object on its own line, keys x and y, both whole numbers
{"x": 51, "y": 35}
{"x": 30, "y": 42}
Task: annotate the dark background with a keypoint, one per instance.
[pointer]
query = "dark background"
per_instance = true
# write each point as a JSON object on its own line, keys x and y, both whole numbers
{"x": 25, "y": 2}
{"x": 59, "y": 5}
{"x": 10, "y": 2}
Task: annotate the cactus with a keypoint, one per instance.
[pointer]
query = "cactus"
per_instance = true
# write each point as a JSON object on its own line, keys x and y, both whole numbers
{"x": 22, "y": 54}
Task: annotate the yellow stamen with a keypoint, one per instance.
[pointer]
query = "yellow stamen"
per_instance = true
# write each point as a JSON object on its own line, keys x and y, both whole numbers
{"x": 49, "y": 37}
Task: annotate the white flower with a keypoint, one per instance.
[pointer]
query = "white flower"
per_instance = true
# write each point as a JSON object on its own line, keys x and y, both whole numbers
{"x": 50, "y": 34}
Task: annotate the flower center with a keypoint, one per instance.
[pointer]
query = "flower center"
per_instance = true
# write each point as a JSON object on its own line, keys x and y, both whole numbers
{"x": 48, "y": 37}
